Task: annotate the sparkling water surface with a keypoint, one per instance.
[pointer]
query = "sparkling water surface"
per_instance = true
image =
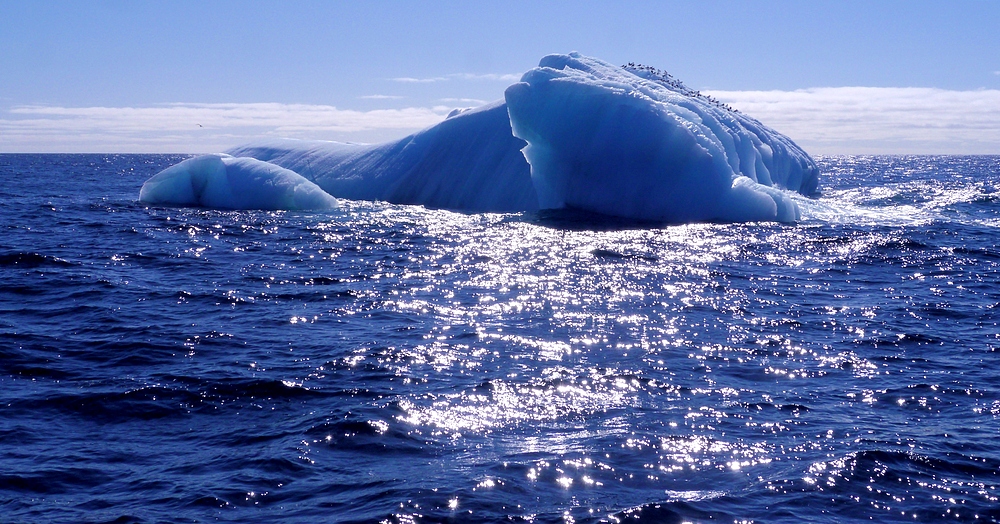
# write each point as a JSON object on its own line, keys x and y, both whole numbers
{"x": 385, "y": 363}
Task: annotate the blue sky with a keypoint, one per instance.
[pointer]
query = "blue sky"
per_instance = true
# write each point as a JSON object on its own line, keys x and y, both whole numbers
{"x": 838, "y": 77}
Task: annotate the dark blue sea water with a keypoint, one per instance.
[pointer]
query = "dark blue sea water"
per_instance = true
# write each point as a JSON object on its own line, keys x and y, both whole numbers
{"x": 386, "y": 363}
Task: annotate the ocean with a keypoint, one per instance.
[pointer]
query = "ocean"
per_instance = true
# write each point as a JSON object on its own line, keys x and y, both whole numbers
{"x": 388, "y": 363}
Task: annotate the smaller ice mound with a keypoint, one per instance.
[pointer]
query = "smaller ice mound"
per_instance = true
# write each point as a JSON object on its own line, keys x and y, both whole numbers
{"x": 226, "y": 182}
{"x": 611, "y": 141}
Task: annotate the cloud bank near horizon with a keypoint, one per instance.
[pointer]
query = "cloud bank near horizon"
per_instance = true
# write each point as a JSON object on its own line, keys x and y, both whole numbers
{"x": 509, "y": 78}
{"x": 198, "y": 128}
{"x": 841, "y": 120}
{"x": 878, "y": 120}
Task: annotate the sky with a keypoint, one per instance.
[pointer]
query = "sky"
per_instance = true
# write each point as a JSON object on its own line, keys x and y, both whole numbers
{"x": 838, "y": 77}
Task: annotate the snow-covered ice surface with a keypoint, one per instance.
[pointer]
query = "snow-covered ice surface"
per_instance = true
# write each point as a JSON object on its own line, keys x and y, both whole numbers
{"x": 226, "y": 182}
{"x": 574, "y": 133}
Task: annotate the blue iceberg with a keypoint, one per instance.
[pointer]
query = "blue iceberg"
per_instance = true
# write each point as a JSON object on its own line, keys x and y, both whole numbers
{"x": 574, "y": 133}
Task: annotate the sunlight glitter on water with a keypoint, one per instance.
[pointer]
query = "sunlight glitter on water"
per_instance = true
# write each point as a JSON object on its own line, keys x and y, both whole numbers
{"x": 529, "y": 367}
{"x": 502, "y": 405}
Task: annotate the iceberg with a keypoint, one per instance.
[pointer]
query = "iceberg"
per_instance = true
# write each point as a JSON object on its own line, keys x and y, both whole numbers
{"x": 225, "y": 182}
{"x": 575, "y": 133}
{"x": 635, "y": 143}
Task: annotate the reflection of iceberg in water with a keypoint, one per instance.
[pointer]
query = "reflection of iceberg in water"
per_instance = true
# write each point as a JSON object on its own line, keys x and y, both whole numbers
{"x": 576, "y": 133}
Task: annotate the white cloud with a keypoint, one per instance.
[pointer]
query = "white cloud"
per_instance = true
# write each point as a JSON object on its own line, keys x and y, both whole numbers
{"x": 836, "y": 120}
{"x": 464, "y": 101}
{"x": 197, "y": 127}
{"x": 381, "y": 97}
{"x": 411, "y": 80}
{"x": 490, "y": 77}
